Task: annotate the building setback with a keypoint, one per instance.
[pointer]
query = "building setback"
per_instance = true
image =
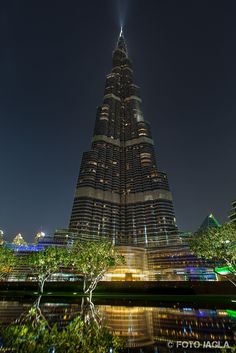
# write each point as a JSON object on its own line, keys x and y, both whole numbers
{"x": 121, "y": 194}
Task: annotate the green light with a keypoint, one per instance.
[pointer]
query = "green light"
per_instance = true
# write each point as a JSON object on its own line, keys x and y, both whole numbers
{"x": 222, "y": 270}
{"x": 231, "y": 313}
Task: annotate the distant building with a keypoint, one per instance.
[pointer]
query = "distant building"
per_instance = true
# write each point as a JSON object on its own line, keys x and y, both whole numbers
{"x": 209, "y": 222}
{"x": 232, "y": 216}
{"x": 19, "y": 240}
{"x": 39, "y": 236}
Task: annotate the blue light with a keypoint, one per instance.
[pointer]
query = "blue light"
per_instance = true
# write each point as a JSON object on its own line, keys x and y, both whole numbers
{"x": 15, "y": 247}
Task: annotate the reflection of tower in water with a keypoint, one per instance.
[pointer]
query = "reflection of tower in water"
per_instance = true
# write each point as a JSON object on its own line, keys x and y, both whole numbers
{"x": 132, "y": 323}
{"x": 191, "y": 324}
{"x": 153, "y": 327}
{"x": 144, "y": 328}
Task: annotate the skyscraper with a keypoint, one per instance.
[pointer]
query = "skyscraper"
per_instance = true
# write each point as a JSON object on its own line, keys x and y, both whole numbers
{"x": 232, "y": 216}
{"x": 121, "y": 193}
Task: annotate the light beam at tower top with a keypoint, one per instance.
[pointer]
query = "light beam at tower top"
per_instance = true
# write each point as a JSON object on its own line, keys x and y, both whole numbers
{"x": 122, "y": 8}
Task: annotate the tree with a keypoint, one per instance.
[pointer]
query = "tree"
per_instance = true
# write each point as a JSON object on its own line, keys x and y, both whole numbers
{"x": 7, "y": 262}
{"x": 46, "y": 262}
{"x": 217, "y": 244}
{"x": 74, "y": 337}
{"x": 91, "y": 260}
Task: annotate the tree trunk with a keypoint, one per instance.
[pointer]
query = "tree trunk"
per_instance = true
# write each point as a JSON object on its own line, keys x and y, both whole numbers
{"x": 229, "y": 279}
{"x": 84, "y": 285}
{"x": 93, "y": 284}
{"x": 89, "y": 290}
{"x": 37, "y": 302}
{"x": 88, "y": 312}
{"x": 41, "y": 286}
{"x": 90, "y": 295}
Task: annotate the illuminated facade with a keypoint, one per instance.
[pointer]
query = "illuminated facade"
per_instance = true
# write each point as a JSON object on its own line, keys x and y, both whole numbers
{"x": 136, "y": 265}
{"x": 177, "y": 263}
{"x": 121, "y": 193}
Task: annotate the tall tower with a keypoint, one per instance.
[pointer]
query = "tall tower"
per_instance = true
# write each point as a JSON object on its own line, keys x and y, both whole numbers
{"x": 121, "y": 194}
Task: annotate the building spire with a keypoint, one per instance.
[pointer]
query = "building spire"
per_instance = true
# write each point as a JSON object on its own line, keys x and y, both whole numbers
{"x": 121, "y": 44}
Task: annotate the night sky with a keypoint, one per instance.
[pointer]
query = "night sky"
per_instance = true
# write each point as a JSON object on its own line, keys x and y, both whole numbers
{"x": 54, "y": 56}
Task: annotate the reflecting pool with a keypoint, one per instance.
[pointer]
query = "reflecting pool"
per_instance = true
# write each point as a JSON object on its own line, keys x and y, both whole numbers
{"x": 156, "y": 328}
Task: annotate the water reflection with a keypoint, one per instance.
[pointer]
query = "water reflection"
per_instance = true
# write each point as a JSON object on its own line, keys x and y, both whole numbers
{"x": 156, "y": 326}
{"x": 147, "y": 329}
{"x": 133, "y": 323}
